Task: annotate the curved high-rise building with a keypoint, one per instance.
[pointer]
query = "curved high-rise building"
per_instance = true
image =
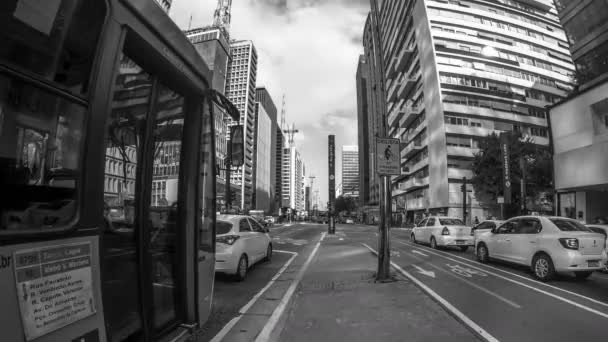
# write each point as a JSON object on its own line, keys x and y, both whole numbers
{"x": 455, "y": 72}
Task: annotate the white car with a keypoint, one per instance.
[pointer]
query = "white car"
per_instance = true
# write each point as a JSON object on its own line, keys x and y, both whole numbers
{"x": 602, "y": 229}
{"x": 441, "y": 231}
{"x": 549, "y": 245}
{"x": 485, "y": 226}
{"x": 240, "y": 242}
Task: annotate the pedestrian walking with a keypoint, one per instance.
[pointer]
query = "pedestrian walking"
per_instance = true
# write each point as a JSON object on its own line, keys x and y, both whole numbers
{"x": 476, "y": 220}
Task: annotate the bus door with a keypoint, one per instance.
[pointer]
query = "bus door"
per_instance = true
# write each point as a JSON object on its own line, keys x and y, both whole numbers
{"x": 207, "y": 205}
{"x": 143, "y": 256}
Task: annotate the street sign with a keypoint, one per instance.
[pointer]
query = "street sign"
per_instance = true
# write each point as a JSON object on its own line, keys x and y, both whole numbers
{"x": 500, "y": 200}
{"x": 388, "y": 158}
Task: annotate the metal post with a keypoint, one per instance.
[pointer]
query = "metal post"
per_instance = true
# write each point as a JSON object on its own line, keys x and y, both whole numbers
{"x": 228, "y": 165}
{"x": 464, "y": 200}
{"x": 522, "y": 165}
{"x": 383, "y": 273}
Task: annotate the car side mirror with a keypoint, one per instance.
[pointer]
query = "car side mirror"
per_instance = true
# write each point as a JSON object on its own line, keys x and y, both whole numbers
{"x": 494, "y": 230}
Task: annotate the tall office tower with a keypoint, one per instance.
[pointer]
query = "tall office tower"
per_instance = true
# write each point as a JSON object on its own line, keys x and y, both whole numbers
{"x": 240, "y": 90}
{"x": 455, "y": 72}
{"x": 365, "y": 135}
{"x": 165, "y": 4}
{"x": 580, "y": 123}
{"x": 266, "y": 138}
{"x": 350, "y": 171}
{"x": 292, "y": 180}
{"x": 212, "y": 44}
{"x": 280, "y": 145}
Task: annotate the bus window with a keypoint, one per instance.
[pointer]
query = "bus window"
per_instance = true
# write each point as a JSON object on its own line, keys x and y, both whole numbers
{"x": 120, "y": 266}
{"x": 55, "y": 39}
{"x": 163, "y": 225}
{"x": 40, "y": 145}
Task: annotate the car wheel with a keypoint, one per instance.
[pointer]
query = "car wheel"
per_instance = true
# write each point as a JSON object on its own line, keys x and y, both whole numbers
{"x": 582, "y": 274}
{"x": 542, "y": 267}
{"x": 482, "y": 253}
{"x": 268, "y": 253}
{"x": 413, "y": 238}
{"x": 463, "y": 248}
{"x": 241, "y": 268}
{"x": 433, "y": 243}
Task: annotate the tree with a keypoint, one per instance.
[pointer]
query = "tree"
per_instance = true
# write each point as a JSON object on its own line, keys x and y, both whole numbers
{"x": 488, "y": 172}
{"x": 345, "y": 203}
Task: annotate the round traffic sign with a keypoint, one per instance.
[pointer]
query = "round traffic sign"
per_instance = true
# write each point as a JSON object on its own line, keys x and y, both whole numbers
{"x": 331, "y": 177}
{"x": 508, "y": 184}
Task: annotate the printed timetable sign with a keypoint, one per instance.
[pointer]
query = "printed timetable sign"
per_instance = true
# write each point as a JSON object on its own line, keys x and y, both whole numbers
{"x": 54, "y": 285}
{"x": 388, "y": 157}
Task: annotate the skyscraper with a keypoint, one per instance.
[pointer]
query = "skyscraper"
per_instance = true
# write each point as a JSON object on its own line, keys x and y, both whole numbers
{"x": 350, "y": 171}
{"x": 266, "y": 140}
{"x": 458, "y": 71}
{"x": 212, "y": 44}
{"x": 240, "y": 90}
{"x": 364, "y": 131}
{"x": 292, "y": 179}
{"x": 579, "y": 124}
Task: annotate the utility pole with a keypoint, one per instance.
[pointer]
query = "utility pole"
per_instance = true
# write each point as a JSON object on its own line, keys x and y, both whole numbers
{"x": 464, "y": 199}
{"x": 384, "y": 256}
{"x": 312, "y": 180}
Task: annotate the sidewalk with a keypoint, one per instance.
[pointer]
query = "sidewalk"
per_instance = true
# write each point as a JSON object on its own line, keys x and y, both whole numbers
{"x": 338, "y": 300}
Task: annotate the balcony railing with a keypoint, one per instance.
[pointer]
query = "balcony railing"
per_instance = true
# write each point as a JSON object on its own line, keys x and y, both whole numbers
{"x": 411, "y": 113}
{"x": 411, "y": 149}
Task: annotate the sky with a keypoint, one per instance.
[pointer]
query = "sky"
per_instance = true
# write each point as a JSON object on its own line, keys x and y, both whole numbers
{"x": 307, "y": 50}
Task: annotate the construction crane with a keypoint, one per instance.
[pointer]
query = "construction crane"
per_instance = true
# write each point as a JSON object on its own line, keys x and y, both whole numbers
{"x": 290, "y": 133}
{"x": 221, "y": 17}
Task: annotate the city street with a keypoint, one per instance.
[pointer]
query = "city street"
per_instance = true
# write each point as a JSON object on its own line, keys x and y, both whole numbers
{"x": 230, "y": 296}
{"x": 499, "y": 302}
{"x": 505, "y": 300}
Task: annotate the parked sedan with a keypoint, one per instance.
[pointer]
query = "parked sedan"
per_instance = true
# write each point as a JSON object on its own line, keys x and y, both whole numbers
{"x": 602, "y": 229}
{"x": 240, "y": 242}
{"x": 549, "y": 245}
{"x": 440, "y": 231}
{"x": 485, "y": 226}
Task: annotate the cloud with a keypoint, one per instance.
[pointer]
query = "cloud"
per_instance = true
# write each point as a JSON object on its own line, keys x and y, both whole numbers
{"x": 307, "y": 50}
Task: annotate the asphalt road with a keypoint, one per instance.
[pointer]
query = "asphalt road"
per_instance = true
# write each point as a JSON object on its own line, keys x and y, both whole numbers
{"x": 502, "y": 299}
{"x": 230, "y": 296}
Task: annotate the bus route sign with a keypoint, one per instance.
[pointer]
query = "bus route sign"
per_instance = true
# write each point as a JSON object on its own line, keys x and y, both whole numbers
{"x": 54, "y": 286}
{"x": 388, "y": 157}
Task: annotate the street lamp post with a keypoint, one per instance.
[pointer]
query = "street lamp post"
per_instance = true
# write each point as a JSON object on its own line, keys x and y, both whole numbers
{"x": 383, "y": 273}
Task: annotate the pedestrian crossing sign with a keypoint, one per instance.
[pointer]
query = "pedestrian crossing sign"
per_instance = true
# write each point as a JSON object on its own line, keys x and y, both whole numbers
{"x": 388, "y": 158}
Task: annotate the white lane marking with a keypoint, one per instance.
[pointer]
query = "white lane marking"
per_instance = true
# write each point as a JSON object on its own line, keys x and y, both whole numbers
{"x": 226, "y": 329}
{"x": 480, "y": 288}
{"x": 264, "y": 335}
{"x": 465, "y": 271}
{"x": 522, "y": 277}
{"x": 449, "y": 307}
{"x": 565, "y": 300}
{"x": 419, "y": 252}
{"x": 425, "y": 272}
{"x": 483, "y": 289}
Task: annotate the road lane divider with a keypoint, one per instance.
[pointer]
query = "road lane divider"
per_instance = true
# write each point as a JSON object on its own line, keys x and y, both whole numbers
{"x": 516, "y": 275}
{"x": 226, "y": 329}
{"x": 565, "y": 300}
{"x": 474, "y": 327}
{"x": 271, "y": 324}
{"x": 419, "y": 252}
{"x": 466, "y": 272}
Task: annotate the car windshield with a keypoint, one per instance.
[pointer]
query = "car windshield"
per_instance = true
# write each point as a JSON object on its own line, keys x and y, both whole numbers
{"x": 450, "y": 222}
{"x": 222, "y": 227}
{"x": 570, "y": 226}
